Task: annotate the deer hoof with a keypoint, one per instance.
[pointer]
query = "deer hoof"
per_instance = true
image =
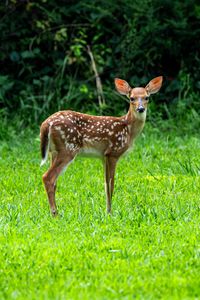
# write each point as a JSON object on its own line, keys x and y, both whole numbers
{"x": 54, "y": 213}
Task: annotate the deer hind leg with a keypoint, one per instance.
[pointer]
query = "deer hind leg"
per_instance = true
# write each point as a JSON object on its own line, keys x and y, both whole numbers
{"x": 58, "y": 163}
{"x": 109, "y": 167}
{"x": 52, "y": 159}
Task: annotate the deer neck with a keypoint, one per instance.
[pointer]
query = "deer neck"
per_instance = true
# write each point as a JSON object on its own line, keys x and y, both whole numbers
{"x": 135, "y": 121}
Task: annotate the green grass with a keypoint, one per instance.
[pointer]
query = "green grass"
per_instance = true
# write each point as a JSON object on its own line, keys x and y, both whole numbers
{"x": 148, "y": 249}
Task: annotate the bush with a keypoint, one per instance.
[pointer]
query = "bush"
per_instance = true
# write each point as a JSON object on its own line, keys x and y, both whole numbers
{"x": 45, "y": 65}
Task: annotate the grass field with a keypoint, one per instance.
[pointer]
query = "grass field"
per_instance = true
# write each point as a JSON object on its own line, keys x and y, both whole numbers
{"x": 148, "y": 249}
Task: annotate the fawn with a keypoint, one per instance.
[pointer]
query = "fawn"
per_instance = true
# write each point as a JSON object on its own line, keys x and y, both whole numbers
{"x": 67, "y": 133}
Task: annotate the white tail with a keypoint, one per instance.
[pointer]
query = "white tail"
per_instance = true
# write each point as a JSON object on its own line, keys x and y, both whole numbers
{"x": 67, "y": 133}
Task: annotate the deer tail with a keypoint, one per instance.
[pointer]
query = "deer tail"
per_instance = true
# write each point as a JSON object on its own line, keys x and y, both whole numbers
{"x": 44, "y": 142}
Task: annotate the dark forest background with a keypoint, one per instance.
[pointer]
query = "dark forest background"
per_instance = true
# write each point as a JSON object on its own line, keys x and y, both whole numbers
{"x": 45, "y": 65}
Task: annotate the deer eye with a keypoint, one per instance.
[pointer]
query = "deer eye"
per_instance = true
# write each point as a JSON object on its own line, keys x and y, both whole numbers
{"x": 146, "y": 98}
{"x": 132, "y": 99}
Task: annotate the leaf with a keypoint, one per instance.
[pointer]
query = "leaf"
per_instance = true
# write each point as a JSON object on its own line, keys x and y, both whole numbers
{"x": 27, "y": 54}
{"x": 14, "y": 56}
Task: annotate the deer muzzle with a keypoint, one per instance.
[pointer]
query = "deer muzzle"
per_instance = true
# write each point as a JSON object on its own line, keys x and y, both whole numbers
{"x": 140, "y": 109}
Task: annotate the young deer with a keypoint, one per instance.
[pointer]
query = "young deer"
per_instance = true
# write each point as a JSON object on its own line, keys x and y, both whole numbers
{"x": 67, "y": 133}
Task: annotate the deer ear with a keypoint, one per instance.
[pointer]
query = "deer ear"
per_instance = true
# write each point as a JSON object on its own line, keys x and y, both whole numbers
{"x": 154, "y": 85}
{"x": 122, "y": 86}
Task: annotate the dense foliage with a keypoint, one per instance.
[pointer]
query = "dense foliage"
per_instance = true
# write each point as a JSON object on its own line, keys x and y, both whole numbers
{"x": 45, "y": 65}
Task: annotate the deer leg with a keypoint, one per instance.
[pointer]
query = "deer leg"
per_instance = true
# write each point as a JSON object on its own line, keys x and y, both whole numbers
{"x": 53, "y": 157}
{"x": 59, "y": 162}
{"x": 109, "y": 167}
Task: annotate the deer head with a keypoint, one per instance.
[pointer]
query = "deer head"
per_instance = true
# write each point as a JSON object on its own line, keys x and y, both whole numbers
{"x": 138, "y": 96}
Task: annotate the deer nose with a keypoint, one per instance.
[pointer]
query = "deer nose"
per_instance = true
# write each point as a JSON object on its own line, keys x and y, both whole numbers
{"x": 140, "y": 109}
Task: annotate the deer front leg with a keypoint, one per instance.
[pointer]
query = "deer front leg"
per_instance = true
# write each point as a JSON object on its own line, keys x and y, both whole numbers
{"x": 49, "y": 178}
{"x": 109, "y": 167}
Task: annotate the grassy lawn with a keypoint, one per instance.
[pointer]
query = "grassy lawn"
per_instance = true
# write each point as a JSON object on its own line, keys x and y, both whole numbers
{"x": 148, "y": 249}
